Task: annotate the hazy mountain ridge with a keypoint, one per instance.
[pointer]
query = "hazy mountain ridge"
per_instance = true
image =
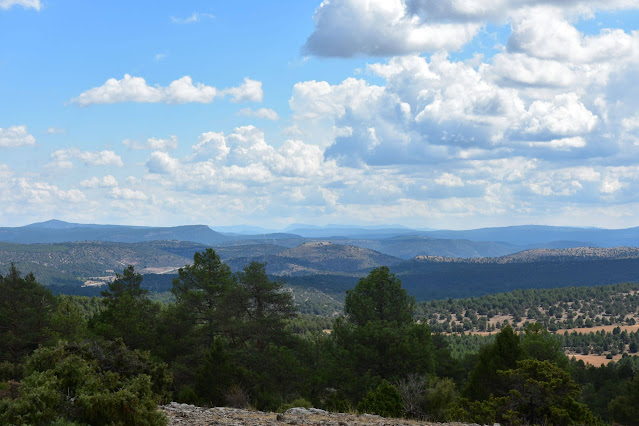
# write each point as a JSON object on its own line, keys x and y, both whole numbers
{"x": 58, "y": 233}
{"x": 536, "y": 255}
{"x": 429, "y": 267}
{"x": 320, "y": 257}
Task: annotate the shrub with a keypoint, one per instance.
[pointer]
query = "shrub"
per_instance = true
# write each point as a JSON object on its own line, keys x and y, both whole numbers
{"x": 385, "y": 401}
{"x": 298, "y": 402}
{"x": 93, "y": 383}
{"x": 237, "y": 397}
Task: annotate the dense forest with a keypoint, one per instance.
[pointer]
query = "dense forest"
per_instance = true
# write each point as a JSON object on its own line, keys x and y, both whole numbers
{"x": 237, "y": 339}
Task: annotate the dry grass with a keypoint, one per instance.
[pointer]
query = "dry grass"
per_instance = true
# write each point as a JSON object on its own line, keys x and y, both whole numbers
{"x": 596, "y": 360}
{"x": 606, "y": 328}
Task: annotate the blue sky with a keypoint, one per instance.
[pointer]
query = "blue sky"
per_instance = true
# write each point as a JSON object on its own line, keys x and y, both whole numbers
{"x": 448, "y": 114}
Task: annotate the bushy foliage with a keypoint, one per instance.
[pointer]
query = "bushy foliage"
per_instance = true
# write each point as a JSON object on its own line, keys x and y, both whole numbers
{"x": 385, "y": 401}
{"x": 25, "y": 309}
{"x": 378, "y": 338}
{"x": 98, "y": 384}
{"x": 541, "y": 392}
{"x": 297, "y": 402}
{"x": 503, "y": 354}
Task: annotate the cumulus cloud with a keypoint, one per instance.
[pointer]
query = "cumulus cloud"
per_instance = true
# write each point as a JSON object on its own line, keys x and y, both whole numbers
{"x": 40, "y": 193}
{"x": 107, "y": 181}
{"x": 564, "y": 115}
{"x": 180, "y": 91}
{"x": 161, "y": 163}
{"x": 375, "y": 27}
{"x": 211, "y": 145}
{"x": 265, "y": 113}
{"x": 128, "y": 194}
{"x": 63, "y": 158}
{"x": 347, "y": 28}
{"x": 15, "y": 136}
{"x": 153, "y": 144}
{"x": 448, "y": 179}
{"x": 244, "y": 156}
{"x": 249, "y": 91}
{"x": 27, "y": 4}
{"x": 436, "y": 110}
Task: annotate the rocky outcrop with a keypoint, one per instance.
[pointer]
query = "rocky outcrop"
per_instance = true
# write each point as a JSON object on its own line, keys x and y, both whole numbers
{"x": 184, "y": 414}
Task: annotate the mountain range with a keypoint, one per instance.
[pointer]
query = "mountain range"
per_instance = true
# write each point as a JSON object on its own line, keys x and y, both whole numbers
{"x": 393, "y": 240}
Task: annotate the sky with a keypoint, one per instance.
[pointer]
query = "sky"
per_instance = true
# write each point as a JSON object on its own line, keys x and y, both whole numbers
{"x": 449, "y": 114}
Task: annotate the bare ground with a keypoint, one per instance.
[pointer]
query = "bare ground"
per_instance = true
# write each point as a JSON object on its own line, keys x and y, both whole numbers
{"x": 184, "y": 414}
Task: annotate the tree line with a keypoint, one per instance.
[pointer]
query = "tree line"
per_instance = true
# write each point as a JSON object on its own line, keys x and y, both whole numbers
{"x": 237, "y": 340}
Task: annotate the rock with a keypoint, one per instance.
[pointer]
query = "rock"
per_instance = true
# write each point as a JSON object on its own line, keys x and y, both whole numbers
{"x": 185, "y": 414}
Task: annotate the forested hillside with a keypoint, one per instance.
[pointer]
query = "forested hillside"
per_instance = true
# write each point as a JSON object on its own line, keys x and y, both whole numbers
{"x": 236, "y": 339}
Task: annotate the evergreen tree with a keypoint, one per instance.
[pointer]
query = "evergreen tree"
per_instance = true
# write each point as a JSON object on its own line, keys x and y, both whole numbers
{"x": 25, "y": 315}
{"x": 261, "y": 306}
{"x": 128, "y": 314}
{"x": 200, "y": 291}
{"x": 503, "y": 354}
{"x": 378, "y": 338}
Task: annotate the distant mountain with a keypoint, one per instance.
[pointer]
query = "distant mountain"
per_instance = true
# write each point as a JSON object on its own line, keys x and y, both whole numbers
{"x": 318, "y": 258}
{"x": 59, "y": 224}
{"x": 57, "y": 232}
{"x": 408, "y": 246}
{"x": 349, "y": 231}
{"x": 326, "y": 266}
{"x": 72, "y": 264}
{"x": 428, "y": 277}
{"x": 242, "y": 230}
{"x": 395, "y": 241}
{"x": 535, "y": 235}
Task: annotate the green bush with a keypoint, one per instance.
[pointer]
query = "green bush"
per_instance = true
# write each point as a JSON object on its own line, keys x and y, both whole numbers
{"x": 95, "y": 384}
{"x": 298, "y": 402}
{"x": 187, "y": 395}
{"x": 385, "y": 401}
{"x": 337, "y": 402}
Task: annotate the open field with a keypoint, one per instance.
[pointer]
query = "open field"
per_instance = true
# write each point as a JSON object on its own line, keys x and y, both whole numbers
{"x": 596, "y": 360}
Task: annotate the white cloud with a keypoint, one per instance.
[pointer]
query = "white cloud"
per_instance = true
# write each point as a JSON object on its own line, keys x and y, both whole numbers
{"x": 193, "y": 18}
{"x": 41, "y": 192}
{"x": 564, "y": 116}
{"x": 56, "y": 131}
{"x": 211, "y": 145}
{"x": 249, "y": 91}
{"x": 397, "y": 27}
{"x": 561, "y": 144}
{"x": 27, "y": 4}
{"x": 153, "y": 144}
{"x": 610, "y": 186}
{"x": 107, "y": 181}
{"x": 448, "y": 179}
{"x": 265, "y": 113}
{"x": 15, "y": 136}
{"x": 102, "y": 158}
{"x": 375, "y": 27}
{"x": 542, "y": 33}
{"x": 128, "y": 194}
{"x": 180, "y": 91}
{"x": 161, "y": 163}
{"x": 63, "y": 158}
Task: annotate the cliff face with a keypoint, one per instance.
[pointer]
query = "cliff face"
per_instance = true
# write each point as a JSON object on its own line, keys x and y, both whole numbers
{"x": 184, "y": 414}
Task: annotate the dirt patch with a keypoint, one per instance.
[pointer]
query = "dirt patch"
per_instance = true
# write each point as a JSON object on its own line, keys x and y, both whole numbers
{"x": 160, "y": 270}
{"x": 606, "y": 328}
{"x": 596, "y": 360}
